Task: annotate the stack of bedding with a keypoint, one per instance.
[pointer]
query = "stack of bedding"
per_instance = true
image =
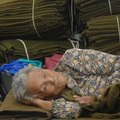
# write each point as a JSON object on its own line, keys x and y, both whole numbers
{"x": 88, "y": 9}
{"x": 2, "y": 61}
{"x": 103, "y": 33}
{"x": 37, "y": 50}
{"x": 33, "y": 19}
{"x": 98, "y": 23}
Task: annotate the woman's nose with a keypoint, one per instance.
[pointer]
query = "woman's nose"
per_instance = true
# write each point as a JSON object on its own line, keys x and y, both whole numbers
{"x": 51, "y": 79}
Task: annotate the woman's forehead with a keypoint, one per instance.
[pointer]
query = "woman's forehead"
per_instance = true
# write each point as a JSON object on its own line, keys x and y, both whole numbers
{"x": 33, "y": 72}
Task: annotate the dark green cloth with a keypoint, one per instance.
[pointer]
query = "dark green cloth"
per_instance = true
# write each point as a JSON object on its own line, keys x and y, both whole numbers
{"x": 37, "y": 50}
{"x": 88, "y": 9}
{"x": 11, "y": 109}
{"x": 102, "y": 34}
{"x": 108, "y": 107}
{"x": 21, "y": 19}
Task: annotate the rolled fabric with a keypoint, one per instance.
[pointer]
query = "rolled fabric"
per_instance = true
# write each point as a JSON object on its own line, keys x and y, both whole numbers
{"x": 34, "y": 19}
{"x": 37, "y": 50}
{"x": 88, "y": 9}
{"x": 2, "y": 60}
{"x": 102, "y": 33}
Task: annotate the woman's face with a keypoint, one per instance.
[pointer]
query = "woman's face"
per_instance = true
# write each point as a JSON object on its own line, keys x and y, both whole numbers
{"x": 45, "y": 83}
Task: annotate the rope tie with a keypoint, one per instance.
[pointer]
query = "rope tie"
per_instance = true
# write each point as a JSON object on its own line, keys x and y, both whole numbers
{"x": 71, "y": 15}
{"x": 75, "y": 39}
{"x": 33, "y": 20}
{"x": 24, "y": 47}
{"x": 109, "y": 2}
{"x": 118, "y": 27}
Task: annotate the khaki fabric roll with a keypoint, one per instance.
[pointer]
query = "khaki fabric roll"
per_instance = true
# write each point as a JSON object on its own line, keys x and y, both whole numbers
{"x": 2, "y": 60}
{"x": 102, "y": 33}
{"x": 88, "y": 9}
{"x": 34, "y": 19}
{"x": 37, "y": 50}
{"x": 13, "y": 109}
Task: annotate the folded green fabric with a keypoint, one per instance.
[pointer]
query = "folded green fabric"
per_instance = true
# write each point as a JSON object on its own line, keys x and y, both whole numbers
{"x": 108, "y": 107}
{"x": 34, "y": 19}
{"x": 2, "y": 60}
{"x": 88, "y": 9}
{"x": 37, "y": 50}
{"x": 12, "y": 109}
{"x": 102, "y": 33}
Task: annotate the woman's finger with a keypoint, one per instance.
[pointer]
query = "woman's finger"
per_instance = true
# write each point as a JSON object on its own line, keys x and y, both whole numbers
{"x": 76, "y": 96}
{"x": 83, "y": 100}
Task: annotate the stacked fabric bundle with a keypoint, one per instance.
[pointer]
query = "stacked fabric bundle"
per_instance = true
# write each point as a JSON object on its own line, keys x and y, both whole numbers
{"x": 103, "y": 33}
{"x": 1, "y": 58}
{"x": 88, "y": 9}
{"x": 37, "y": 50}
{"x": 33, "y": 19}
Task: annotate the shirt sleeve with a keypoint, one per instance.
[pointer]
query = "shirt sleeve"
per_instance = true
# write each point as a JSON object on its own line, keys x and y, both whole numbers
{"x": 65, "y": 109}
{"x": 88, "y": 61}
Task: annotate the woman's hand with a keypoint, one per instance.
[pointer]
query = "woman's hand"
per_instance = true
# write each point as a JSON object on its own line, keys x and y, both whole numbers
{"x": 28, "y": 102}
{"x": 83, "y": 100}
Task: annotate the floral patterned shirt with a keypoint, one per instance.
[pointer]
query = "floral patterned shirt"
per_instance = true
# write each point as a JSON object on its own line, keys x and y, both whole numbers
{"x": 87, "y": 72}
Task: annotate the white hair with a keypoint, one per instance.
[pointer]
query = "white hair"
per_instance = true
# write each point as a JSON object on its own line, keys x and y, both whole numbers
{"x": 19, "y": 84}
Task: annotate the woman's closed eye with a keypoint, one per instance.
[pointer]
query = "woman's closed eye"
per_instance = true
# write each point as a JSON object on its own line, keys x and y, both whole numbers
{"x": 44, "y": 74}
{"x": 46, "y": 86}
{"x": 43, "y": 87}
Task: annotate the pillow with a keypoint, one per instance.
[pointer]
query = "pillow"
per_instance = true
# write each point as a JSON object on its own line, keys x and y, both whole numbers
{"x": 11, "y": 108}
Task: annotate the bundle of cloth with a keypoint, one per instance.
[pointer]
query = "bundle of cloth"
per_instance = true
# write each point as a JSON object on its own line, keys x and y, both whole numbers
{"x": 33, "y": 19}
{"x": 1, "y": 58}
{"x": 88, "y": 9}
{"x": 103, "y": 33}
{"x": 34, "y": 49}
{"x": 107, "y": 107}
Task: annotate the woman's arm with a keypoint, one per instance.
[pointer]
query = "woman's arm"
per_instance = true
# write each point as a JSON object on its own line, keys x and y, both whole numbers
{"x": 60, "y": 108}
{"x": 90, "y": 61}
{"x": 66, "y": 109}
{"x": 44, "y": 104}
{"x": 87, "y": 99}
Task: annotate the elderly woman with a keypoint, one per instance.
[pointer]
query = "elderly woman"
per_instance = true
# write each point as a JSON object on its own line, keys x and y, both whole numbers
{"x": 86, "y": 71}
